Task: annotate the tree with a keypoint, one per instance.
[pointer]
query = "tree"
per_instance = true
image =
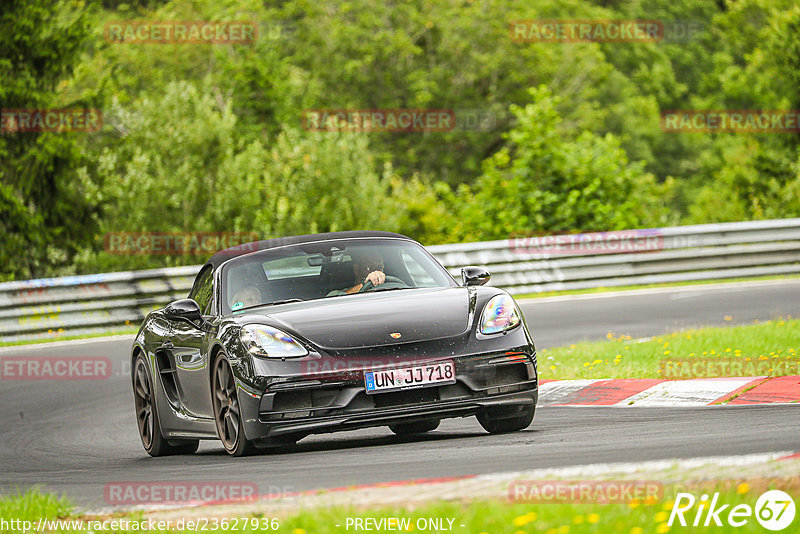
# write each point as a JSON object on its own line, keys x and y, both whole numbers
{"x": 44, "y": 215}
{"x": 545, "y": 181}
{"x": 181, "y": 163}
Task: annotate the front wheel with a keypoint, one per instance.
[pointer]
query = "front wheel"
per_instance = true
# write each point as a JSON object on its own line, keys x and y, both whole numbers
{"x": 498, "y": 422}
{"x": 227, "y": 411}
{"x": 153, "y": 440}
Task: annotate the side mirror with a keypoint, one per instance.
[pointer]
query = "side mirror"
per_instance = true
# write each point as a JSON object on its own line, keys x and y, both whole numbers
{"x": 184, "y": 309}
{"x": 474, "y": 276}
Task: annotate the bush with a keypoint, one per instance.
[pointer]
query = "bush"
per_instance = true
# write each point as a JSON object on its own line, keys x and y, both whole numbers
{"x": 543, "y": 180}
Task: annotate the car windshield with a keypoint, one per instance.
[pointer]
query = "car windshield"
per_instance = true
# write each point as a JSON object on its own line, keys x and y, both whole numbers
{"x": 327, "y": 269}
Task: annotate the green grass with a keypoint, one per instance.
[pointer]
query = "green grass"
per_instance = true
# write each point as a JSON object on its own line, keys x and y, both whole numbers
{"x": 33, "y": 504}
{"x": 503, "y": 517}
{"x": 606, "y": 289}
{"x": 757, "y": 347}
{"x": 490, "y": 516}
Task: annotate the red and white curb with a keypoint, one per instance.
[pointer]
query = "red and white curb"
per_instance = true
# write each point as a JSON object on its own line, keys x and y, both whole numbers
{"x": 656, "y": 392}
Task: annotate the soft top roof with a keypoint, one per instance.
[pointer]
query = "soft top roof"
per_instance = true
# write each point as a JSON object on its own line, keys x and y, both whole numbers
{"x": 240, "y": 250}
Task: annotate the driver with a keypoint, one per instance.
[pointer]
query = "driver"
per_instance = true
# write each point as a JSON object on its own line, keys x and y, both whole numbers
{"x": 367, "y": 265}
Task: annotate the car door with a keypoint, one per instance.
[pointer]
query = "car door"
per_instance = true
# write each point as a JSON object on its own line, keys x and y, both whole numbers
{"x": 190, "y": 352}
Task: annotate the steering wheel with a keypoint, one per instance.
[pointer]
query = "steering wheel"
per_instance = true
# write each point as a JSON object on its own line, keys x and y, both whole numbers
{"x": 390, "y": 283}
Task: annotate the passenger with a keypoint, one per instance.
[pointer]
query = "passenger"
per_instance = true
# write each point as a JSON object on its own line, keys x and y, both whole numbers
{"x": 244, "y": 298}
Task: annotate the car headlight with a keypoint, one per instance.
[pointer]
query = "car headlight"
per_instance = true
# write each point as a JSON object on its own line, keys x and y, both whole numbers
{"x": 265, "y": 341}
{"x": 499, "y": 314}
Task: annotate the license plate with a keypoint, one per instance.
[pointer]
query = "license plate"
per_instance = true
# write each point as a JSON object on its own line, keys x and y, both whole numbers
{"x": 410, "y": 377}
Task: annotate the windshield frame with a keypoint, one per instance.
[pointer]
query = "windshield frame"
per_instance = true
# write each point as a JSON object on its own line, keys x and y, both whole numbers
{"x": 225, "y": 309}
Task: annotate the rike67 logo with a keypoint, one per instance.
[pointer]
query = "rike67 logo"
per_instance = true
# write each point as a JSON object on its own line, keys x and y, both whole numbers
{"x": 774, "y": 510}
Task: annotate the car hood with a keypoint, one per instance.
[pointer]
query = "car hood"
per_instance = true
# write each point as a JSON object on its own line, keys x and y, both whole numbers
{"x": 370, "y": 319}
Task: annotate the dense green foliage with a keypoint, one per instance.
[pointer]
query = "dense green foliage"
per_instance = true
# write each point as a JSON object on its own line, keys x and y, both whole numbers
{"x": 208, "y": 137}
{"x": 44, "y": 213}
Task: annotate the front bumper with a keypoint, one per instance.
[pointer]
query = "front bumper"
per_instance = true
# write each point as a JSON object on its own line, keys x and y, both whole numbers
{"x": 295, "y": 409}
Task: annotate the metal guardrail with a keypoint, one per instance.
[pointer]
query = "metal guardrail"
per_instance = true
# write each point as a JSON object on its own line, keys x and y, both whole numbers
{"x": 106, "y": 302}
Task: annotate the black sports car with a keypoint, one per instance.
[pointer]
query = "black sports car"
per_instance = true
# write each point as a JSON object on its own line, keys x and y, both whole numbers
{"x": 287, "y": 337}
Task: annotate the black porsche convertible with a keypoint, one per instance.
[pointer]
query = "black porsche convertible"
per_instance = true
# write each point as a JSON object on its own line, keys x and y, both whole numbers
{"x": 288, "y": 337}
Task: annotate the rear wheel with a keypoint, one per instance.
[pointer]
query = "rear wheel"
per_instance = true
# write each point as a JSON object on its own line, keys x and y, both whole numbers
{"x": 499, "y": 421}
{"x": 153, "y": 440}
{"x": 417, "y": 427}
{"x": 227, "y": 410}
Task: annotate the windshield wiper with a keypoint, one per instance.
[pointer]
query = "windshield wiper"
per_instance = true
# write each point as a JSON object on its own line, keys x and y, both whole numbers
{"x": 273, "y": 303}
{"x": 378, "y": 289}
{"x": 284, "y": 301}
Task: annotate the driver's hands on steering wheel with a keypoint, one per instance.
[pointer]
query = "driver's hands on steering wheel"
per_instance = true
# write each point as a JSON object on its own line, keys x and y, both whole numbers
{"x": 376, "y": 277}
{"x": 386, "y": 282}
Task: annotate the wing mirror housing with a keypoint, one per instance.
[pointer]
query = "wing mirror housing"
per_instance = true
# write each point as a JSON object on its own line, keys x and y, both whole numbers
{"x": 184, "y": 310}
{"x": 474, "y": 276}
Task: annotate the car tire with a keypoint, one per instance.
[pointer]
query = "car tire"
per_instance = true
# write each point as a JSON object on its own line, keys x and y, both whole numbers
{"x": 227, "y": 410}
{"x": 416, "y": 427}
{"x": 147, "y": 421}
{"x": 499, "y": 421}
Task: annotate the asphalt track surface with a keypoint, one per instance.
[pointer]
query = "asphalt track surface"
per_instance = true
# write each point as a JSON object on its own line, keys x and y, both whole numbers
{"x": 77, "y": 436}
